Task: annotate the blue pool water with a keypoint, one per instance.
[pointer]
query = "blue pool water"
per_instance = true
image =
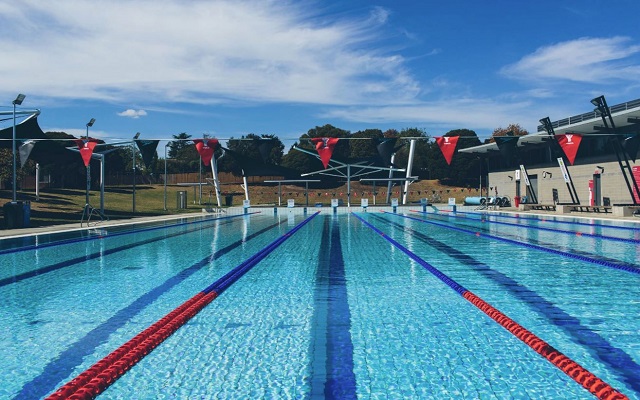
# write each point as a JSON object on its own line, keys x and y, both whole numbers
{"x": 335, "y": 311}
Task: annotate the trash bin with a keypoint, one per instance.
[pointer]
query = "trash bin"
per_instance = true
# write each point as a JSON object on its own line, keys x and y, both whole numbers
{"x": 228, "y": 200}
{"x": 181, "y": 199}
{"x": 516, "y": 201}
{"x": 17, "y": 214}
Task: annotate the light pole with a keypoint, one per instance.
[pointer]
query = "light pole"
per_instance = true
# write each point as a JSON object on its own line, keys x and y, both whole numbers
{"x": 18, "y": 101}
{"x": 165, "y": 176}
{"x": 89, "y": 124}
{"x": 133, "y": 150}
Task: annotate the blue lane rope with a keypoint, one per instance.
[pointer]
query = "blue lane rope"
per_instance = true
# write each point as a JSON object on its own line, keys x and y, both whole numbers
{"x": 594, "y": 235}
{"x": 628, "y": 267}
{"x": 553, "y": 220}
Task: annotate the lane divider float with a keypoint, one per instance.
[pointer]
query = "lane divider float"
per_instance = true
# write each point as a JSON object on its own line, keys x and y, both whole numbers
{"x": 624, "y": 266}
{"x": 95, "y": 380}
{"x": 577, "y": 233}
{"x": 575, "y": 371}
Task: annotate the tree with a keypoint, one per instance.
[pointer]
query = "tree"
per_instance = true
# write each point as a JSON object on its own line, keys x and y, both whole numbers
{"x": 420, "y": 156}
{"x": 184, "y": 154}
{"x": 510, "y": 130}
{"x": 365, "y": 148}
{"x": 248, "y": 146}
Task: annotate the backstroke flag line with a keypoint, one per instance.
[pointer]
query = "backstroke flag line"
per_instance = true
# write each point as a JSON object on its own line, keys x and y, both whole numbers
{"x": 569, "y": 143}
{"x": 147, "y": 150}
{"x": 25, "y": 150}
{"x": 86, "y": 147}
{"x": 206, "y": 149}
{"x": 324, "y": 147}
{"x": 386, "y": 148}
{"x": 447, "y": 146}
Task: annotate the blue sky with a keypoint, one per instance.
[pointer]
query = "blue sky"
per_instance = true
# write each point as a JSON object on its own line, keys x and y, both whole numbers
{"x": 229, "y": 68}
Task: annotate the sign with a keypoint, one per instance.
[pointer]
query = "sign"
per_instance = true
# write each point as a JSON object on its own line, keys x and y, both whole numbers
{"x": 447, "y": 145}
{"x": 563, "y": 169}
{"x": 364, "y": 203}
{"x": 517, "y": 174}
{"x": 246, "y": 203}
{"x": 324, "y": 147}
{"x": 334, "y": 202}
{"x": 424, "y": 202}
{"x": 394, "y": 202}
{"x": 452, "y": 201}
{"x": 291, "y": 203}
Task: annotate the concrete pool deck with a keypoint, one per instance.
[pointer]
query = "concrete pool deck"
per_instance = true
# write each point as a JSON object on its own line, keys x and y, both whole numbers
{"x": 443, "y": 208}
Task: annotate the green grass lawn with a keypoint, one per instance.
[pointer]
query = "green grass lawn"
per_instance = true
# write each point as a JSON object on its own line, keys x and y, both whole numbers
{"x": 65, "y": 206}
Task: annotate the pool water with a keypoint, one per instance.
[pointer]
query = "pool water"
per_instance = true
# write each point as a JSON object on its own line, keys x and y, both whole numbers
{"x": 335, "y": 311}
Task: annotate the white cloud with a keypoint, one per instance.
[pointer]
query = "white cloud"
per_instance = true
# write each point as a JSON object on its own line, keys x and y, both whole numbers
{"x": 133, "y": 113}
{"x": 591, "y": 60}
{"x": 198, "y": 51}
{"x": 476, "y": 114}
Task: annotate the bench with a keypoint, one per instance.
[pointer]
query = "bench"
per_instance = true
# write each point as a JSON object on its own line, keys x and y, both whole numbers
{"x": 541, "y": 207}
{"x": 591, "y": 209}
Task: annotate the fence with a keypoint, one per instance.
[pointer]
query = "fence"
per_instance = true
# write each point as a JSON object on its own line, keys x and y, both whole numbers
{"x": 64, "y": 182}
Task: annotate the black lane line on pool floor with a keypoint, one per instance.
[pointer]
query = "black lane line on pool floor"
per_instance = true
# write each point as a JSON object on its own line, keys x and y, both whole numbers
{"x": 333, "y": 376}
{"x": 612, "y": 261}
{"x": 67, "y": 263}
{"x": 542, "y": 228}
{"x": 108, "y": 235}
{"x": 549, "y": 248}
{"x": 550, "y": 219}
{"x": 614, "y": 358}
{"x": 60, "y": 368}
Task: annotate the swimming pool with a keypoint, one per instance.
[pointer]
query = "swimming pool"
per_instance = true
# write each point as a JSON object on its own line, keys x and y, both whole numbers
{"x": 344, "y": 307}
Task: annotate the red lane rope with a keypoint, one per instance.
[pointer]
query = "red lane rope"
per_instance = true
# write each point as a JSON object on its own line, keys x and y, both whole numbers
{"x": 98, "y": 377}
{"x": 575, "y": 371}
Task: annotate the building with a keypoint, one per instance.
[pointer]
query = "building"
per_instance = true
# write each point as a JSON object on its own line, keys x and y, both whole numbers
{"x": 604, "y": 172}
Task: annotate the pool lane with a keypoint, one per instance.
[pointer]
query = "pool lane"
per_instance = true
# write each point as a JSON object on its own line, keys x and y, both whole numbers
{"x": 69, "y": 359}
{"x": 106, "y": 371}
{"x": 332, "y": 321}
{"x": 578, "y": 373}
{"x": 98, "y": 254}
{"x": 613, "y": 357}
{"x": 574, "y": 254}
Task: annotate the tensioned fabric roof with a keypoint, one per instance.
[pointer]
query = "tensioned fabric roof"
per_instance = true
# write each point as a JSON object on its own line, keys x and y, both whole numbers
{"x": 584, "y": 124}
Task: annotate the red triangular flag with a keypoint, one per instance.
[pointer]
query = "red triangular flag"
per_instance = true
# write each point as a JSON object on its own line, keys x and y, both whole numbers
{"x": 206, "y": 149}
{"x": 447, "y": 145}
{"x": 325, "y": 146}
{"x": 86, "y": 147}
{"x": 569, "y": 143}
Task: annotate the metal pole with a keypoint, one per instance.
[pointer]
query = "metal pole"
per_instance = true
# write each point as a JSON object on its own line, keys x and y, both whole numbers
{"x": 133, "y": 150}
{"x": 216, "y": 183}
{"x": 37, "y": 182}
{"x": 348, "y": 185}
{"x": 165, "y": 176}
{"x": 412, "y": 148}
{"x": 199, "y": 183}
{"x": 393, "y": 156}
{"x": 102, "y": 169}
{"x": 13, "y": 142}
{"x": 88, "y": 173}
